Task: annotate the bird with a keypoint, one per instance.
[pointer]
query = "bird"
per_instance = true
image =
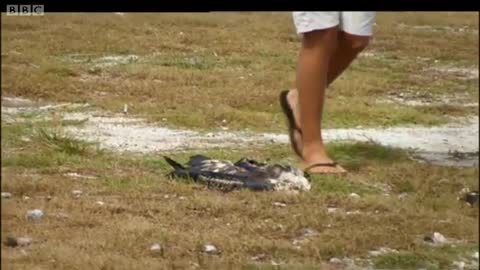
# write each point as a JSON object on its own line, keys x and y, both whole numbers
{"x": 244, "y": 173}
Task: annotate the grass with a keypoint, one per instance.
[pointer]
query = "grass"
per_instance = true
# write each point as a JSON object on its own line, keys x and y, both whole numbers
{"x": 144, "y": 206}
{"x": 227, "y": 62}
{"x": 201, "y": 71}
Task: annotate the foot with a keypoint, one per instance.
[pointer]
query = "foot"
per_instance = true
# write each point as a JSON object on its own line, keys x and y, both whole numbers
{"x": 316, "y": 161}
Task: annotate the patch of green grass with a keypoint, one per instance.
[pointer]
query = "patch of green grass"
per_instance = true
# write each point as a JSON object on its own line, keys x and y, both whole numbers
{"x": 401, "y": 260}
{"x": 117, "y": 182}
{"x": 426, "y": 257}
{"x": 354, "y": 155}
{"x": 281, "y": 267}
{"x": 333, "y": 185}
{"x": 62, "y": 72}
{"x": 73, "y": 122}
{"x": 27, "y": 161}
{"x": 62, "y": 143}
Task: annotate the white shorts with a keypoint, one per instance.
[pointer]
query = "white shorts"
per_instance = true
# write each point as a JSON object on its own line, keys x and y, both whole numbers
{"x": 355, "y": 23}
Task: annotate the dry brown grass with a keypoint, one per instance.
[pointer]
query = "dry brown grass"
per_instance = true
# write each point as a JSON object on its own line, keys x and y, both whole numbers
{"x": 236, "y": 63}
{"x": 200, "y": 93}
{"x": 143, "y": 207}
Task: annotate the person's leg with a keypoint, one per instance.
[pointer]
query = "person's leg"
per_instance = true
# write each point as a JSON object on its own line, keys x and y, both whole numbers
{"x": 348, "y": 48}
{"x": 317, "y": 48}
{"x": 359, "y": 25}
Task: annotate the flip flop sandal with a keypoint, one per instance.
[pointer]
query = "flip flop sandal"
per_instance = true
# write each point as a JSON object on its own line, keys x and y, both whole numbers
{"x": 329, "y": 164}
{"x": 292, "y": 126}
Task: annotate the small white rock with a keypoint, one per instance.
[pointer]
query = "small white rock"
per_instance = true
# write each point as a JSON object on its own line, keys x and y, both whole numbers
{"x": 18, "y": 241}
{"x": 34, "y": 214}
{"x": 6, "y": 195}
{"x": 77, "y": 193}
{"x": 155, "y": 248}
{"x": 210, "y": 249}
{"x": 354, "y": 195}
{"x": 25, "y": 139}
{"x": 382, "y": 251}
{"x": 459, "y": 265}
{"x": 309, "y": 232}
{"x": 166, "y": 196}
{"x": 99, "y": 203}
{"x": 335, "y": 260}
{"x": 26, "y": 198}
{"x": 331, "y": 210}
{"x": 274, "y": 263}
{"x": 280, "y": 204}
{"x": 181, "y": 198}
{"x": 475, "y": 255}
{"x": 258, "y": 257}
{"x": 438, "y": 238}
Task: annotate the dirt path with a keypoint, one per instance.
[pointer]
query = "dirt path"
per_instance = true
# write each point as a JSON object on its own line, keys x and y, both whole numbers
{"x": 455, "y": 144}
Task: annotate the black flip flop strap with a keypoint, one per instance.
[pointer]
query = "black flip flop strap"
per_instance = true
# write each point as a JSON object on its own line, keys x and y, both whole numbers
{"x": 329, "y": 164}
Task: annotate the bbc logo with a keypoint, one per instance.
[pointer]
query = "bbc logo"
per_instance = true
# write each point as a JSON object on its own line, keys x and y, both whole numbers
{"x": 25, "y": 10}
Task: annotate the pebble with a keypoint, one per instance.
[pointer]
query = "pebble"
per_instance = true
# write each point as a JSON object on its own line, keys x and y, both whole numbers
{"x": 259, "y": 257}
{"x": 475, "y": 255}
{"x": 437, "y": 238}
{"x": 155, "y": 248}
{"x": 459, "y": 265}
{"x": 354, "y": 195}
{"x": 34, "y": 214}
{"x": 331, "y": 210}
{"x": 18, "y": 241}
{"x": 99, "y": 203}
{"x": 280, "y": 204}
{"x": 26, "y": 198}
{"x": 210, "y": 249}
{"x": 335, "y": 260}
{"x": 309, "y": 232}
{"x": 382, "y": 251}
{"x": 77, "y": 193}
{"x": 356, "y": 212}
{"x": 6, "y": 195}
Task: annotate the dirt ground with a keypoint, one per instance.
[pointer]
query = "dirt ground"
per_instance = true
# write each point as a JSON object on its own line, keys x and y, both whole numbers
{"x": 91, "y": 103}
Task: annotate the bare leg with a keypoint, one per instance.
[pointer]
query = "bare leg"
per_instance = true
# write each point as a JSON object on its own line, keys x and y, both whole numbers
{"x": 317, "y": 49}
{"x": 348, "y": 48}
